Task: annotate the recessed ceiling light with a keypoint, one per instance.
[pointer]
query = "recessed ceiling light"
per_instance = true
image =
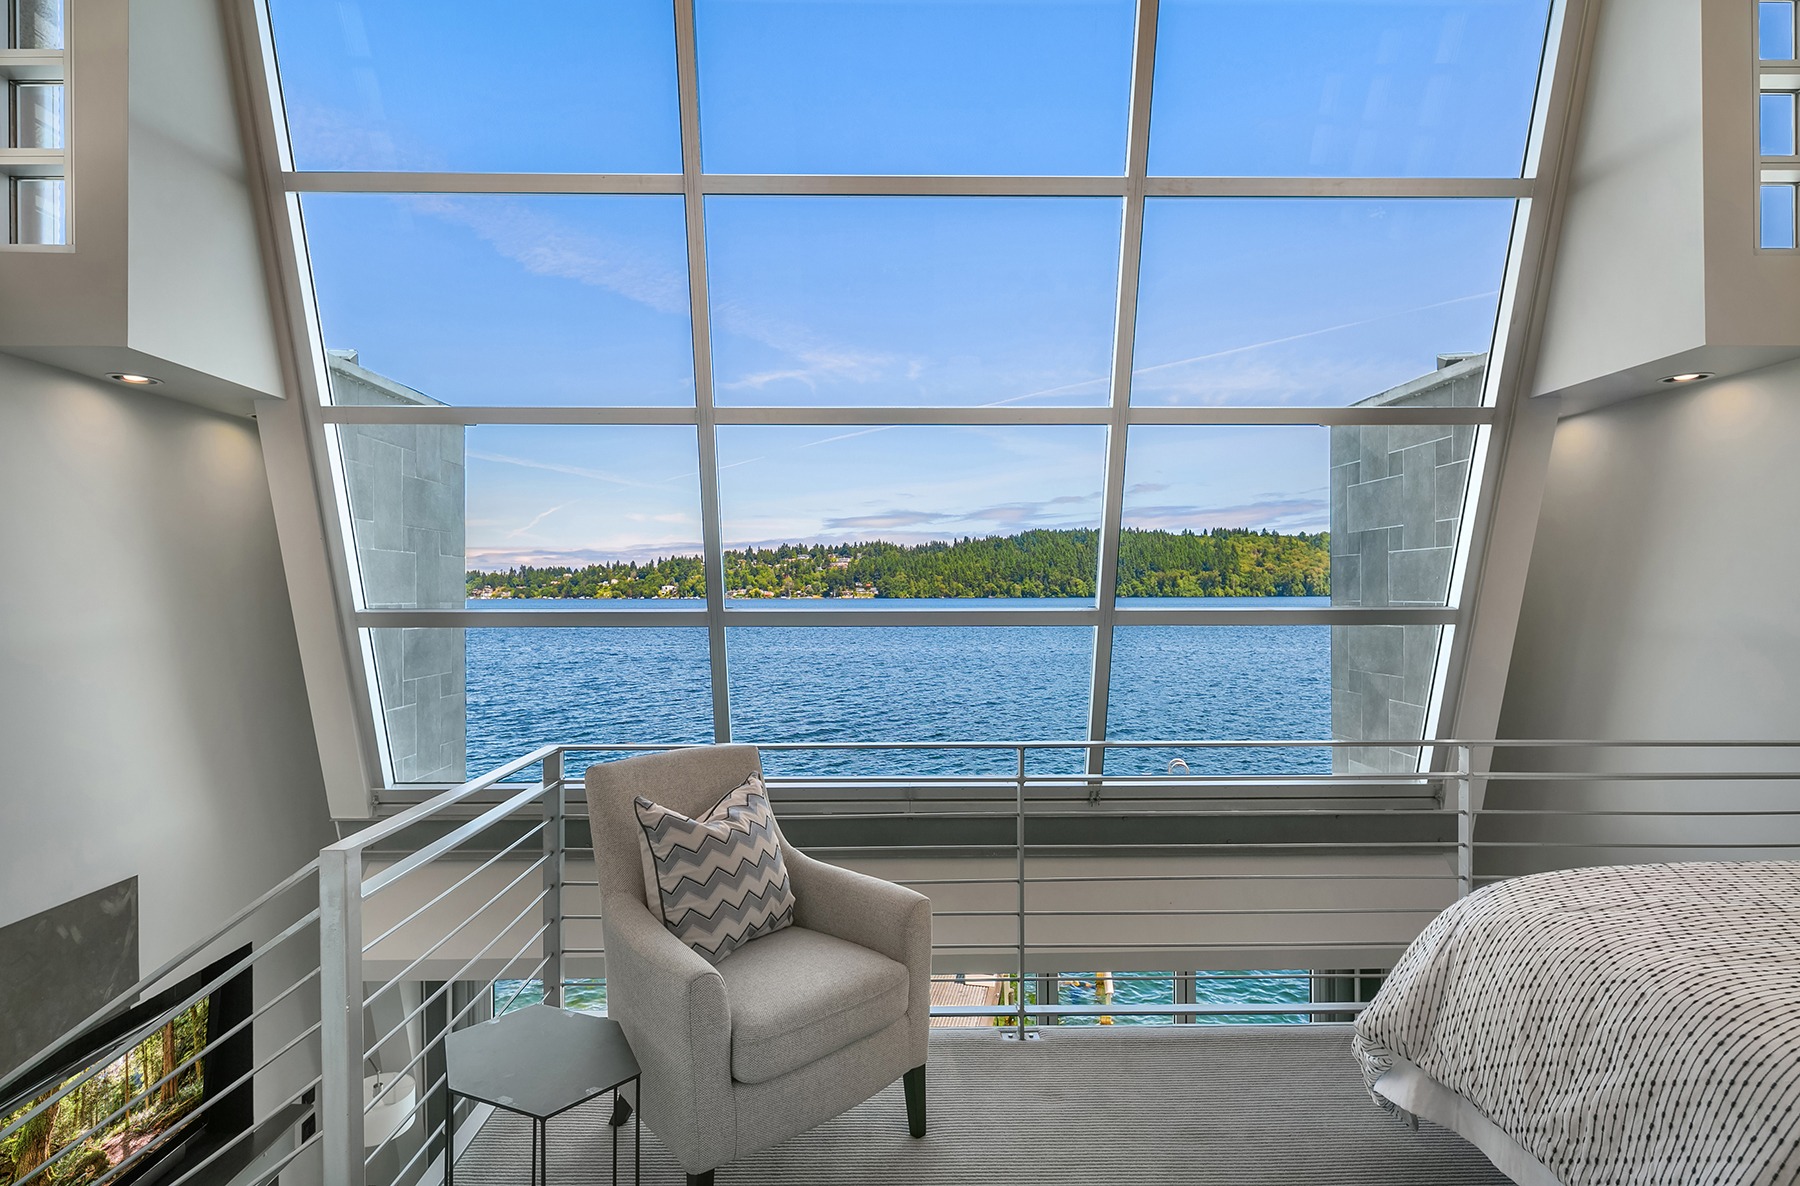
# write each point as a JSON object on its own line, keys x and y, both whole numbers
{"x": 1689, "y": 377}
{"x": 134, "y": 380}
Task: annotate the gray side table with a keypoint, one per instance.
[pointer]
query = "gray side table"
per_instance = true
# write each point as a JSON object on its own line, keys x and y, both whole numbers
{"x": 539, "y": 1062}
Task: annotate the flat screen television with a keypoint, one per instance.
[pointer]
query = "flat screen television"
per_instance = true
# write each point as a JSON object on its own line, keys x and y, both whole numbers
{"x": 179, "y": 1123}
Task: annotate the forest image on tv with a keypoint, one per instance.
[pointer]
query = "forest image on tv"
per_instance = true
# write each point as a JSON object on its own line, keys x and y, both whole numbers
{"x": 134, "y": 1102}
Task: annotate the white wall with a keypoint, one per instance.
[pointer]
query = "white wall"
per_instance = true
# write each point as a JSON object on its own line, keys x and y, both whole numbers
{"x": 153, "y": 720}
{"x": 1661, "y": 601}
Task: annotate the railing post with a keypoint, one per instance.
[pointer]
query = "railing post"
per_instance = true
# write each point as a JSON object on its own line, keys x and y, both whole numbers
{"x": 553, "y": 879}
{"x": 1185, "y": 988}
{"x": 1465, "y": 822}
{"x": 341, "y": 1036}
{"x": 1019, "y": 810}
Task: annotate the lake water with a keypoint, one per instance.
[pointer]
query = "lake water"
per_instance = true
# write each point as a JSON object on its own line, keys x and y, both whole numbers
{"x": 915, "y": 683}
{"x": 906, "y": 683}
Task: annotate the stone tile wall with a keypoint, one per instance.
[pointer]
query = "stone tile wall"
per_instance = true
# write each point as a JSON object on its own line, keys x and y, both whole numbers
{"x": 405, "y": 484}
{"x": 1397, "y": 496}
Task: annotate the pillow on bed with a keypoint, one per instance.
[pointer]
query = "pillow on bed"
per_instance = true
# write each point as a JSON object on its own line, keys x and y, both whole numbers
{"x": 718, "y": 881}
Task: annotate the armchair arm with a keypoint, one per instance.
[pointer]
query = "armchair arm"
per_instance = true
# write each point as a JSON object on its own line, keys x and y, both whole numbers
{"x": 671, "y": 1004}
{"x": 872, "y": 913}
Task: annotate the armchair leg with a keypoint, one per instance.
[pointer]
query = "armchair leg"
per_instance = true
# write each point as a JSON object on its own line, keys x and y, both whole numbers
{"x": 700, "y": 1179}
{"x": 915, "y": 1100}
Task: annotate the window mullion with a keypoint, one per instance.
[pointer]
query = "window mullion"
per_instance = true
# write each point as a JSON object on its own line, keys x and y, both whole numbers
{"x": 687, "y": 78}
{"x": 1131, "y": 243}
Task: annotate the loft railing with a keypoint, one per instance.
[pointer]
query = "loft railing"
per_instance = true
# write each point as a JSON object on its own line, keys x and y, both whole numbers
{"x": 419, "y": 917}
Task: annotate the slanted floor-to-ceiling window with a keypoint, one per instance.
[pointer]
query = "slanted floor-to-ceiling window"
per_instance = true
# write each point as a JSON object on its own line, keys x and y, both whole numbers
{"x": 909, "y": 371}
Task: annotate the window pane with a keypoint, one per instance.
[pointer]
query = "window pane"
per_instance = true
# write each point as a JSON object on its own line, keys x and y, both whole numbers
{"x": 1334, "y": 88}
{"x": 620, "y": 684}
{"x": 910, "y": 683}
{"x": 909, "y": 301}
{"x": 547, "y": 517}
{"x": 1775, "y": 31}
{"x": 1240, "y": 514}
{"x": 911, "y": 512}
{"x": 1220, "y": 683}
{"x": 1365, "y": 514}
{"x": 37, "y": 24}
{"x": 38, "y": 211}
{"x": 1777, "y": 124}
{"x": 1777, "y": 228}
{"x": 554, "y": 86}
{"x": 903, "y": 86}
{"x": 1311, "y": 301}
{"x": 37, "y": 115}
{"x": 457, "y": 703}
{"x": 483, "y": 299}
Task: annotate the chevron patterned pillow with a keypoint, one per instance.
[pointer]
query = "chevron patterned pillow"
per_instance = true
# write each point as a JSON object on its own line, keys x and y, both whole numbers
{"x": 717, "y": 881}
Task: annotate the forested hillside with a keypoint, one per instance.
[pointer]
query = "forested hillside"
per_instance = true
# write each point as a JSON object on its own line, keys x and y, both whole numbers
{"x": 1218, "y": 563}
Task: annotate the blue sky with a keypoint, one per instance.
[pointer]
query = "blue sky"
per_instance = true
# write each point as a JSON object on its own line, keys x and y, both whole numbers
{"x": 562, "y": 300}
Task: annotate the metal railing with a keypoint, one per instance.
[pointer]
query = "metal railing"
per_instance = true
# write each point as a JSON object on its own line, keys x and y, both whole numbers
{"x": 1193, "y": 881}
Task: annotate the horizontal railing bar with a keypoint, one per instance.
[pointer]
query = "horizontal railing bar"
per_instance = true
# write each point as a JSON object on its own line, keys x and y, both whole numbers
{"x": 1642, "y": 776}
{"x": 1203, "y": 743}
{"x": 473, "y": 915}
{"x": 1702, "y": 812}
{"x": 457, "y": 884}
{"x": 450, "y": 840}
{"x": 1151, "y": 1009}
{"x": 1153, "y": 977}
{"x": 1102, "y": 877}
{"x": 1657, "y": 844}
{"x": 1281, "y": 945}
{"x": 383, "y": 829}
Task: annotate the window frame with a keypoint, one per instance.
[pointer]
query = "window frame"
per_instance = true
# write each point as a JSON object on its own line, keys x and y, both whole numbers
{"x": 1503, "y": 386}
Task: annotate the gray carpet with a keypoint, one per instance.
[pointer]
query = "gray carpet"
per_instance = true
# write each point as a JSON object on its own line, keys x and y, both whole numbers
{"x": 1231, "y": 1105}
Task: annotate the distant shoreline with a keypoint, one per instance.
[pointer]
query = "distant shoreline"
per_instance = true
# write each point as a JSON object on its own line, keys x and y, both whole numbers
{"x": 1056, "y": 564}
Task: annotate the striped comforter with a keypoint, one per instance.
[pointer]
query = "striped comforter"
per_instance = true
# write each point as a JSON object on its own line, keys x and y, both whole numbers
{"x": 1630, "y": 1024}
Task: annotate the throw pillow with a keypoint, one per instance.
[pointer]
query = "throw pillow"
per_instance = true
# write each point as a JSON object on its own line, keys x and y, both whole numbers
{"x": 717, "y": 881}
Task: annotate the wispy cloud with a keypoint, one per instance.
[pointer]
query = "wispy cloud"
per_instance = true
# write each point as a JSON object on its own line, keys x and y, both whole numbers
{"x": 1273, "y": 513}
{"x": 556, "y": 467}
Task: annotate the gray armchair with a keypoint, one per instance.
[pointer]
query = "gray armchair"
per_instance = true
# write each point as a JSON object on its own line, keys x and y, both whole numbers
{"x": 787, "y": 1031}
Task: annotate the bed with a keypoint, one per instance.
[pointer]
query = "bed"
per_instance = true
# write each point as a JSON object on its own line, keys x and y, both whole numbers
{"x": 1592, "y": 1027}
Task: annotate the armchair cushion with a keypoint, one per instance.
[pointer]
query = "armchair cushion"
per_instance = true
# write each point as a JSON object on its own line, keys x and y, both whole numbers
{"x": 799, "y": 995}
{"x": 717, "y": 881}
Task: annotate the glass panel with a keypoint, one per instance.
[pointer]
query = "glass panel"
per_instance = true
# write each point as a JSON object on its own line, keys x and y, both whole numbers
{"x": 583, "y": 996}
{"x": 910, "y": 301}
{"x": 1236, "y": 516}
{"x": 927, "y": 512}
{"x": 1777, "y": 229}
{"x": 618, "y": 684}
{"x": 37, "y": 24}
{"x": 487, "y": 299}
{"x": 38, "y": 211}
{"x": 1367, "y": 515}
{"x": 1775, "y": 31}
{"x": 1278, "y": 301}
{"x": 546, "y": 517}
{"x": 1777, "y": 124}
{"x": 457, "y": 703}
{"x": 1335, "y": 88}
{"x": 558, "y": 86}
{"x": 910, "y": 683}
{"x": 911, "y": 87}
{"x": 1220, "y": 683}
{"x": 37, "y": 115}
